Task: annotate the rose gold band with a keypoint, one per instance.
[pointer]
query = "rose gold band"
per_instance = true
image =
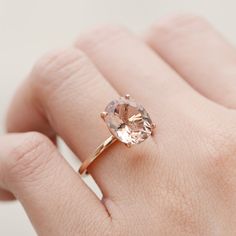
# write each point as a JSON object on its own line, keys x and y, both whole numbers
{"x": 100, "y": 149}
{"x": 127, "y": 121}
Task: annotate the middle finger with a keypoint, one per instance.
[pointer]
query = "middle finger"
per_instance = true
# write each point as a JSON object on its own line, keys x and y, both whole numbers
{"x": 132, "y": 67}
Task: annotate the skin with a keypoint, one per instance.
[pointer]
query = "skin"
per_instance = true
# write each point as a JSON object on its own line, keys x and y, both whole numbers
{"x": 181, "y": 181}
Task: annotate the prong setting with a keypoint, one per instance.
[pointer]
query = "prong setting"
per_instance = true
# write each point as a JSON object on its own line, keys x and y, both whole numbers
{"x": 128, "y": 145}
{"x": 104, "y": 114}
{"x": 127, "y": 96}
{"x": 154, "y": 126}
{"x": 128, "y": 121}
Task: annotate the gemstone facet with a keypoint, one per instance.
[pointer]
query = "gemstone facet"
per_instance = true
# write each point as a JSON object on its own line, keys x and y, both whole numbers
{"x": 128, "y": 121}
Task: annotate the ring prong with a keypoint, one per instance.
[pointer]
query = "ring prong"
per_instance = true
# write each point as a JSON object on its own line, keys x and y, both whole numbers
{"x": 128, "y": 145}
{"x": 104, "y": 114}
{"x": 127, "y": 96}
{"x": 154, "y": 125}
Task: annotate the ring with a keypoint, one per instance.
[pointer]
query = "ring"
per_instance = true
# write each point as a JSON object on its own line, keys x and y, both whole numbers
{"x": 127, "y": 121}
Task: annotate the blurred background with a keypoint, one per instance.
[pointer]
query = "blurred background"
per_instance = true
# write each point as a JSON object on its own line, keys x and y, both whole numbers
{"x": 28, "y": 28}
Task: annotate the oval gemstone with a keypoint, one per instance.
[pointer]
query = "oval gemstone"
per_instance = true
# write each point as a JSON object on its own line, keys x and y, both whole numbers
{"x": 128, "y": 121}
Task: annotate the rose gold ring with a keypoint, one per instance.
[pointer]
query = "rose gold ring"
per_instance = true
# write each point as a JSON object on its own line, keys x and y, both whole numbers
{"x": 127, "y": 121}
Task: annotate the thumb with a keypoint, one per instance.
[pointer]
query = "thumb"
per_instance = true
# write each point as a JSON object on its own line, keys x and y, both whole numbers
{"x": 55, "y": 198}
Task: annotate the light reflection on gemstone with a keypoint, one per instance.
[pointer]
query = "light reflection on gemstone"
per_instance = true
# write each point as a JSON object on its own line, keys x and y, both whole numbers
{"x": 128, "y": 121}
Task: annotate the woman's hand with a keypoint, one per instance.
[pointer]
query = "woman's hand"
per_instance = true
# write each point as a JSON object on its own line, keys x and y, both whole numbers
{"x": 182, "y": 181}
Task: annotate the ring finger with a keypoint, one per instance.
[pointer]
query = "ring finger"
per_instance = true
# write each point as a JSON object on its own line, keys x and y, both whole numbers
{"x": 131, "y": 66}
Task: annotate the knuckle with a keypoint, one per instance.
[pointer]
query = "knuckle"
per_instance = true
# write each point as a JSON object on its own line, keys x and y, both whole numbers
{"x": 179, "y": 24}
{"x": 53, "y": 69}
{"x": 100, "y": 36}
{"x": 30, "y": 157}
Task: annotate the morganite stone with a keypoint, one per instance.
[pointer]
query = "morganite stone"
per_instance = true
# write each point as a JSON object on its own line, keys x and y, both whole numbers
{"x": 128, "y": 121}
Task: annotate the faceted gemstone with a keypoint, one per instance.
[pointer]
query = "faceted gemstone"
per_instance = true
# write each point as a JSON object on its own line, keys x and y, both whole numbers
{"x": 128, "y": 121}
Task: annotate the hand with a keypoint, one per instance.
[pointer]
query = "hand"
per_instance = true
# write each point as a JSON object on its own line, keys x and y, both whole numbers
{"x": 182, "y": 181}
